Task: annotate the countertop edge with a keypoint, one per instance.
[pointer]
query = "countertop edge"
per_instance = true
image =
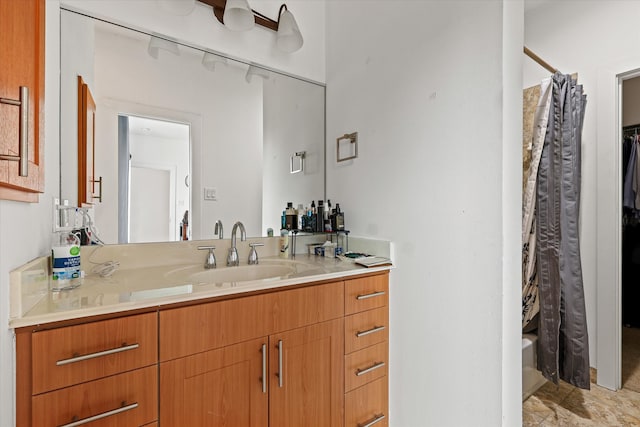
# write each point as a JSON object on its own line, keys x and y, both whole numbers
{"x": 163, "y": 302}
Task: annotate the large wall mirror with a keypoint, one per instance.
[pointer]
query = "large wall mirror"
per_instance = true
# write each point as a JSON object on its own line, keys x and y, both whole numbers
{"x": 184, "y": 135}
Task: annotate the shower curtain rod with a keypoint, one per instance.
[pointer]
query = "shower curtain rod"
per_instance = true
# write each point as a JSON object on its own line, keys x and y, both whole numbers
{"x": 539, "y": 60}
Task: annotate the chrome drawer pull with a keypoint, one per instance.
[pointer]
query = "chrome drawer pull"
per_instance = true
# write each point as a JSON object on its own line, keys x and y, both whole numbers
{"x": 375, "y": 294}
{"x": 370, "y": 331}
{"x": 264, "y": 368}
{"x": 376, "y": 419}
{"x": 369, "y": 369}
{"x": 23, "y": 131}
{"x": 101, "y": 416}
{"x": 98, "y": 354}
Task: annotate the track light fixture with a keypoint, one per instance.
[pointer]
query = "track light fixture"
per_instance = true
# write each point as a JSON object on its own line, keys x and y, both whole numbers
{"x": 237, "y": 15}
{"x": 156, "y": 44}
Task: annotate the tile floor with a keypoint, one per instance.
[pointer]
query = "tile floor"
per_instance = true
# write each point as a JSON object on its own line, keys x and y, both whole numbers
{"x": 565, "y": 405}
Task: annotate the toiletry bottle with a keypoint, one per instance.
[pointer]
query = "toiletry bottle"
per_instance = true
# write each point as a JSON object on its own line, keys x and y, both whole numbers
{"x": 320, "y": 218}
{"x": 332, "y": 219}
{"x": 284, "y": 244}
{"x": 339, "y": 218}
{"x": 327, "y": 210}
{"x": 291, "y": 217}
{"x": 283, "y": 220}
{"x": 65, "y": 261}
{"x": 314, "y": 217}
{"x": 300, "y": 216}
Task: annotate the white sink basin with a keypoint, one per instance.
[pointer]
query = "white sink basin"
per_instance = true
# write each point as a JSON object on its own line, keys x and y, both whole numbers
{"x": 265, "y": 270}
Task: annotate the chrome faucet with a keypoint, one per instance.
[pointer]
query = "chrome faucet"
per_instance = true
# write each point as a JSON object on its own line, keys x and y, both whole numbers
{"x": 253, "y": 254}
{"x": 210, "y": 261}
{"x": 218, "y": 230}
{"x": 232, "y": 258}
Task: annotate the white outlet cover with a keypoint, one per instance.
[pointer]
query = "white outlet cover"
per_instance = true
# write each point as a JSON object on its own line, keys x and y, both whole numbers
{"x": 210, "y": 193}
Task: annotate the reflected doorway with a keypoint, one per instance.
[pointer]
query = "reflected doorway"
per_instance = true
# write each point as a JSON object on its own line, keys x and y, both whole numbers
{"x": 153, "y": 169}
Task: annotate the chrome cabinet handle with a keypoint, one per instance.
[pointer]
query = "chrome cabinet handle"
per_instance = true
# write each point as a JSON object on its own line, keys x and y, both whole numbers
{"x": 369, "y": 369}
{"x": 264, "y": 368}
{"x": 376, "y": 419}
{"x": 101, "y": 416}
{"x": 98, "y": 354}
{"x": 375, "y": 294}
{"x": 280, "y": 376}
{"x": 23, "y": 131}
{"x": 99, "y": 196}
{"x": 370, "y": 331}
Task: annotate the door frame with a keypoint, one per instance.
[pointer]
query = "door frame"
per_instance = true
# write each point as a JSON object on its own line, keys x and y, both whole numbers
{"x": 609, "y": 221}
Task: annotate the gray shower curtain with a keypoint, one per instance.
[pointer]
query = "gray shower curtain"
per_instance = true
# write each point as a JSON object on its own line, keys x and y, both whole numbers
{"x": 563, "y": 343}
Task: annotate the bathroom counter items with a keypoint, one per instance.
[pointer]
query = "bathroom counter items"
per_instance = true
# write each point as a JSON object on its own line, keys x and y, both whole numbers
{"x": 170, "y": 282}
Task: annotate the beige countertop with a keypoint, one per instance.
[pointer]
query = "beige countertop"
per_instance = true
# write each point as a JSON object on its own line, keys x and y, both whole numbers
{"x": 163, "y": 285}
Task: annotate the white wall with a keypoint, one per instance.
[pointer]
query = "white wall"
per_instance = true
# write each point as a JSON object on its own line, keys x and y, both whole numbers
{"x": 293, "y": 122}
{"x": 228, "y": 150}
{"x": 81, "y": 41}
{"x": 25, "y": 229}
{"x": 201, "y": 28}
{"x": 422, "y": 83}
{"x": 586, "y": 37}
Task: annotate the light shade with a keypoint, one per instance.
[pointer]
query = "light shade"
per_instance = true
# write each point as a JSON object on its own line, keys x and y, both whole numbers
{"x": 156, "y": 44}
{"x": 238, "y": 15}
{"x": 209, "y": 60}
{"x": 256, "y": 71}
{"x": 289, "y": 38}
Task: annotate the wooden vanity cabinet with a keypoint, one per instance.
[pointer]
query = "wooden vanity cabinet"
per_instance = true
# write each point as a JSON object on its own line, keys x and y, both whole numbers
{"x": 22, "y": 53}
{"x": 272, "y": 359}
{"x": 308, "y": 356}
{"x": 366, "y": 356}
{"x": 104, "y": 371}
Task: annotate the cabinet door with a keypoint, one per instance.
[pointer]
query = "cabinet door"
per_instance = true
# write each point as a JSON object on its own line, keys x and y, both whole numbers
{"x": 22, "y": 53}
{"x": 221, "y": 387}
{"x": 307, "y": 376}
{"x": 86, "y": 146}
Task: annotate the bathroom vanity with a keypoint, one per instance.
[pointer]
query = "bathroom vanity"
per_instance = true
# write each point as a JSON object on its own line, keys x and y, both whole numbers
{"x": 303, "y": 349}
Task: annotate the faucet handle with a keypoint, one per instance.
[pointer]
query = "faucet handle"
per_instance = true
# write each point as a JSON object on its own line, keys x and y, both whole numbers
{"x": 210, "y": 262}
{"x": 253, "y": 254}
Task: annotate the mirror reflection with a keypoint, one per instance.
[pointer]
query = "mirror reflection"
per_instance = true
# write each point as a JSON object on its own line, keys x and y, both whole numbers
{"x": 184, "y": 137}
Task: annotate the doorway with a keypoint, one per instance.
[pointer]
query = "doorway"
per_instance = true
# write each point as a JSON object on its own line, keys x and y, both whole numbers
{"x": 154, "y": 165}
{"x": 630, "y": 292}
{"x": 609, "y": 219}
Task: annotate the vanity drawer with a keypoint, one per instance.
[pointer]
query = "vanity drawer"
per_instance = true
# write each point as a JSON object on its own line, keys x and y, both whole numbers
{"x": 365, "y": 329}
{"x": 366, "y": 293}
{"x": 202, "y": 327}
{"x": 367, "y": 405}
{"x": 128, "y": 399}
{"x": 365, "y": 366}
{"x": 74, "y": 354}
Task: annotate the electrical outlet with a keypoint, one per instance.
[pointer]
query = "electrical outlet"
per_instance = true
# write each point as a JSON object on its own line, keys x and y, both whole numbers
{"x": 210, "y": 193}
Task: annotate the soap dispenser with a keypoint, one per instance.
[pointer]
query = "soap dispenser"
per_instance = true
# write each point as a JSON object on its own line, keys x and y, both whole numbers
{"x": 65, "y": 261}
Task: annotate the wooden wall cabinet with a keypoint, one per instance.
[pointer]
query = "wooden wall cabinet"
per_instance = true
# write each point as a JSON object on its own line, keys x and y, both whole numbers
{"x": 22, "y": 117}
{"x": 86, "y": 147}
